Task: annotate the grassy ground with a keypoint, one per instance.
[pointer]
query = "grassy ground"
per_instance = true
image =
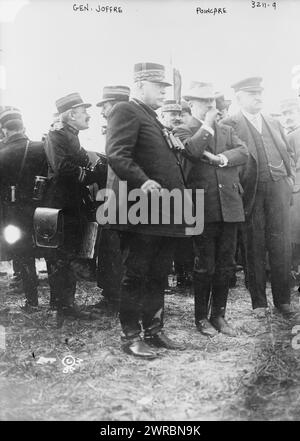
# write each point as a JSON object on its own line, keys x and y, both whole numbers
{"x": 251, "y": 377}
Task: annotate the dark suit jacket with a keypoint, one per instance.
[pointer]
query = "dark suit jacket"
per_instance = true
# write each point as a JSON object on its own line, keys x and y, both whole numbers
{"x": 222, "y": 188}
{"x": 137, "y": 151}
{"x": 249, "y": 173}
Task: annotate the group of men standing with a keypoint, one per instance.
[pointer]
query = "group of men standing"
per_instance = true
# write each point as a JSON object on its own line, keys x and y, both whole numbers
{"x": 244, "y": 164}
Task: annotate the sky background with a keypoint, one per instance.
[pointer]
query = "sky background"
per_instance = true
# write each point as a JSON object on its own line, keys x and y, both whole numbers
{"x": 49, "y": 50}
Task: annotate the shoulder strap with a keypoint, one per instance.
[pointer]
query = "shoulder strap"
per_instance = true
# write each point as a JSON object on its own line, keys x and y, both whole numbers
{"x": 23, "y": 162}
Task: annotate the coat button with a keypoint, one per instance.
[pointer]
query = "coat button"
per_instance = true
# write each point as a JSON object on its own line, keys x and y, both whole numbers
{"x": 220, "y": 185}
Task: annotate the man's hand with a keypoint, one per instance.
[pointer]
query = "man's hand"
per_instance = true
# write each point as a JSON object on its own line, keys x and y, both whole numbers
{"x": 150, "y": 186}
{"x": 213, "y": 159}
{"x": 211, "y": 116}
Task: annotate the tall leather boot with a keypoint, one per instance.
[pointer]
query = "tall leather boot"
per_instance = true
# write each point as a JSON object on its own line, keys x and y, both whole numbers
{"x": 54, "y": 287}
{"x": 29, "y": 279}
{"x": 202, "y": 287}
{"x": 219, "y": 301}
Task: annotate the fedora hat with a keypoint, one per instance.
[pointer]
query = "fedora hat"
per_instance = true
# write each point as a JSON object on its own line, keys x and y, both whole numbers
{"x": 201, "y": 91}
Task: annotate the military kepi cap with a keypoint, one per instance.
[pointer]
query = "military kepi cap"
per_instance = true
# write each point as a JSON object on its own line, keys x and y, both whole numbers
{"x": 114, "y": 93}
{"x": 248, "y": 84}
{"x": 8, "y": 114}
{"x": 70, "y": 101}
{"x": 171, "y": 106}
{"x": 153, "y": 72}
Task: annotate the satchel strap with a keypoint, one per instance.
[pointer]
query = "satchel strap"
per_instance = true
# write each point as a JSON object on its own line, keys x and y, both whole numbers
{"x": 23, "y": 162}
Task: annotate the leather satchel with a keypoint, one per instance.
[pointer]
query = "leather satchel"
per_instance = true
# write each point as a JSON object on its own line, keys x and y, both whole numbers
{"x": 48, "y": 227}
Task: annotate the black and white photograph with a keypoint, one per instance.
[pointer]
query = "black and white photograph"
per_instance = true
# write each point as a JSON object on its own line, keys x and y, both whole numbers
{"x": 149, "y": 214}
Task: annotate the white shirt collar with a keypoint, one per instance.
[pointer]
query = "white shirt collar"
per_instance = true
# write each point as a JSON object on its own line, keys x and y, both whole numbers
{"x": 255, "y": 120}
{"x": 252, "y": 117}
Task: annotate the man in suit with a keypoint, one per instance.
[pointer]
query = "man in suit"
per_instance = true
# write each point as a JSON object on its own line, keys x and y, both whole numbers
{"x": 21, "y": 160}
{"x": 139, "y": 153}
{"x": 215, "y": 153}
{"x": 267, "y": 179}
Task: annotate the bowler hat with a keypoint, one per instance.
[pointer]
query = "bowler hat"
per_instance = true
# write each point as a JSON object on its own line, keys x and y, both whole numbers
{"x": 153, "y": 72}
{"x": 114, "y": 93}
{"x": 70, "y": 101}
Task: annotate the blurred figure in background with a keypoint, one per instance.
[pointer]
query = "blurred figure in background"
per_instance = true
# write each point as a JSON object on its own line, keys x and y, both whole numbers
{"x": 171, "y": 114}
{"x": 21, "y": 160}
{"x": 290, "y": 111}
{"x": 222, "y": 105}
{"x": 171, "y": 117}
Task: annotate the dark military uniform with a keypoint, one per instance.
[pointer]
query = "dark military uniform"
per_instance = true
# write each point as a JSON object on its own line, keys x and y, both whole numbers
{"x": 20, "y": 212}
{"x": 69, "y": 175}
{"x": 136, "y": 151}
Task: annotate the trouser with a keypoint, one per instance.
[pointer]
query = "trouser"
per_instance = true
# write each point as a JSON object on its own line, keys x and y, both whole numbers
{"x": 147, "y": 261}
{"x": 109, "y": 265}
{"x": 268, "y": 229}
{"x": 214, "y": 265}
{"x": 29, "y": 278}
{"x": 295, "y": 256}
{"x": 16, "y": 266}
{"x": 183, "y": 256}
{"x": 62, "y": 282}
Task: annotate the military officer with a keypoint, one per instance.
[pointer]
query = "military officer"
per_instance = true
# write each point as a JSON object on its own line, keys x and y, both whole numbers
{"x": 20, "y": 161}
{"x": 171, "y": 114}
{"x": 186, "y": 113}
{"x": 109, "y": 260}
{"x": 139, "y": 153}
{"x": 171, "y": 118}
{"x": 112, "y": 95}
{"x": 215, "y": 153}
{"x": 69, "y": 174}
{"x": 290, "y": 117}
